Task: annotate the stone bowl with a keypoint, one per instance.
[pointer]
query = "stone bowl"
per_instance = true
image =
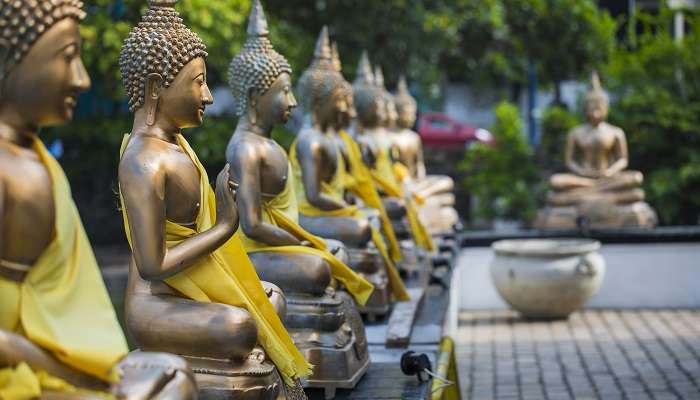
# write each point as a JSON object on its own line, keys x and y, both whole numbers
{"x": 547, "y": 278}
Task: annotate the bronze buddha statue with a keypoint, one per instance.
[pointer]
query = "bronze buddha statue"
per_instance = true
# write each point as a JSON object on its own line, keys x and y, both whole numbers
{"x": 321, "y": 177}
{"x": 437, "y": 211}
{"x": 323, "y": 321}
{"x": 59, "y": 335}
{"x": 599, "y": 191}
{"x": 192, "y": 289}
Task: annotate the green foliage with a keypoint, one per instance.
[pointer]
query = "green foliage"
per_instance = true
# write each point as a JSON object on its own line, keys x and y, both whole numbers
{"x": 503, "y": 177}
{"x": 658, "y": 81}
{"x": 557, "y": 121}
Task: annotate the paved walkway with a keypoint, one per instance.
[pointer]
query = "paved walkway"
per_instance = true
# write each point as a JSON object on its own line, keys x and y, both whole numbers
{"x": 598, "y": 354}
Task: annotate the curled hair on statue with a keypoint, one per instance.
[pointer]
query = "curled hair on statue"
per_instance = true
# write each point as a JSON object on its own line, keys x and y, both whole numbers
{"x": 159, "y": 45}
{"x": 22, "y": 22}
{"x": 256, "y": 68}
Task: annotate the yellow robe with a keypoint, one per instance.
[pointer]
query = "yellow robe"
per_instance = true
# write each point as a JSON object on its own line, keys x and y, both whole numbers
{"x": 359, "y": 182}
{"x": 62, "y": 305}
{"x": 335, "y": 189}
{"x": 282, "y": 211}
{"x": 385, "y": 177}
{"x": 227, "y": 276}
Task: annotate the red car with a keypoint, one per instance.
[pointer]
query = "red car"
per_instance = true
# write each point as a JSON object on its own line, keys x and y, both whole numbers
{"x": 439, "y": 130}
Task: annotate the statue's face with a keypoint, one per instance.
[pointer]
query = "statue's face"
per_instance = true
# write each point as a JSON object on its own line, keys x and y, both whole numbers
{"x": 380, "y": 110}
{"x": 349, "y": 114}
{"x": 596, "y": 110}
{"x": 184, "y": 101}
{"x": 336, "y": 112}
{"x": 276, "y": 105}
{"x": 44, "y": 87}
{"x": 392, "y": 115}
{"x": 407, "y": 116}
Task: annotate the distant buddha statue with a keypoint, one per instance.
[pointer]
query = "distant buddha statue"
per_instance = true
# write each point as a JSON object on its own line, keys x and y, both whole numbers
{"x": 321, "y": 317}
{"x": 437, "y": 211}
{"x": 321, "y": 176}
{"x": 59, "y": 334}
{"x": 598, "y": 190}
{"x": 192, "y": 289}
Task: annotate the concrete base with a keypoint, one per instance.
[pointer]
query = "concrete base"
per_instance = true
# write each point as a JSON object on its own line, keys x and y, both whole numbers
{"x": 597, "y": 215}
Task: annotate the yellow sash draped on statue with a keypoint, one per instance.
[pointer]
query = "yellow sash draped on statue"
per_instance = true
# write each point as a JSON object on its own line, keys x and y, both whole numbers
{"x": 385, "y": 178}
{"x": 62, "y": 305}
{"x": 227, "y": 276}
{"x": 335, "y": 189}
{"x": 359, "y": 182}
{"x": 282, "y": 211}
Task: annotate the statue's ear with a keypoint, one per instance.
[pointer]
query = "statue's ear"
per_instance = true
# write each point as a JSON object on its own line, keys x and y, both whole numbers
{"x": 253, "y": 99}
{"x": 154, "y": 87}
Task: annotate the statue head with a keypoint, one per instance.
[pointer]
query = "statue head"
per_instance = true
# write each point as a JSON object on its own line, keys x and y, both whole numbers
{"x": 406, "y": 107}
{"x": 391, "y": 116}
{"x": 324, "y": 92}
{"x": 596, "y": 102}
{"x": 369, "y": 100}
{"x": 41, "y": 72}
{"x": 260, "y": 77}
{"x": 338, "y": 65}
{"x": 163, "y": 69}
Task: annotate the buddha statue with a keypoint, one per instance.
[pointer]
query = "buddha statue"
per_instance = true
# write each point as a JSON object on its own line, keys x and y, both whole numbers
{"x": 320, "y": 176}
{"x": 437, "y": 211}
{"x": 59, "y": 335}
{"x": 377, "y": 137}
{"x": 192, "y": 289}
{"x": 321, "y": 316}
{"x": 599, "y": 192}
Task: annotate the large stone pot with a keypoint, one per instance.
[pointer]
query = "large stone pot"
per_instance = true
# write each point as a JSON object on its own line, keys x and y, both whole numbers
{"x": 547, "y": 278}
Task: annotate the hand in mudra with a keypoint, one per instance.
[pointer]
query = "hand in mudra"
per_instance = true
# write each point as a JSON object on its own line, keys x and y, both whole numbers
{"x": 226, "y": 207}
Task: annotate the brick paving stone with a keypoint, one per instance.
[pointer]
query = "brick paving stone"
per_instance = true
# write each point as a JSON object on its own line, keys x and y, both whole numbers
{"x": 595, "y": 354}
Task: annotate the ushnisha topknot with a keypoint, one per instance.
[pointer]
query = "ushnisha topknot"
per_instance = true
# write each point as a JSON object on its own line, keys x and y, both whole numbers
{"x": 22, "y": 22}
{"x": 597, "y": 92}
{"x": 321, "y": 80}
{"x": 403, "y": 99}
{"x": 258, "y": 65}
{"x": 366, "y": 93}
{"x": 160, "y": 44}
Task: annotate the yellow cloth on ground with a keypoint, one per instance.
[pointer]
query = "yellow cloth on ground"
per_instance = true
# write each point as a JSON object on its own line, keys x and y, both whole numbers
{"x": 227, "y": 276}
{"x": 359, "y": 182}
{"x": 282, "y": 211}
{"x": 62, "y": 305}
{"x": 384, "y": 176}
{"x": 335, "y": 189}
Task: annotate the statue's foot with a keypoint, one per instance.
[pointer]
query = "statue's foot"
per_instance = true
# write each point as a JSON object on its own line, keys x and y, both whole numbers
{"x": 148, "y": 375}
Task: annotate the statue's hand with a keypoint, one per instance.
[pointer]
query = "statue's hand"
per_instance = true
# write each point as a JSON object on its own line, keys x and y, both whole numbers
{"x": 226, "y": 207}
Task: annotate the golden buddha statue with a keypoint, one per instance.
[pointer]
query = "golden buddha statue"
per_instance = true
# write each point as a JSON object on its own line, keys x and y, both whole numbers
{"x": 599, "y": 192}
{"x": 377, "y": 116}
{"x": 321, "y": 177}
{"x": 59, "y": 335}
{"x": 192, "y": 289}
{"x": 437, "y": 211}
{"x": 323, "y": 321}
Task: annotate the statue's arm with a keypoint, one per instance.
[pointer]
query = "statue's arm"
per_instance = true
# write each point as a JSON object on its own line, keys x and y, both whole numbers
{"x": 246, "y": 163}
{"x": 621, "y": 155}
{"x": 570, "y": 156}
{"x": 143, "y": 188}
{"x": 15, "y": 349}
{"x": 310, "y": 160}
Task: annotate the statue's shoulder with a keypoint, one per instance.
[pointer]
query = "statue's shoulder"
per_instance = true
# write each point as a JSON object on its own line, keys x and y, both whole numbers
{"x": 244, "y": 146}
{"x": 614, "y": 129}
{"x": 143, "y": 157}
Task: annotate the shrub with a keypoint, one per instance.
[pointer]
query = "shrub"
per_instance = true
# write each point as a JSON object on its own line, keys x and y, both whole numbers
{"x": 503, "y": 177}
